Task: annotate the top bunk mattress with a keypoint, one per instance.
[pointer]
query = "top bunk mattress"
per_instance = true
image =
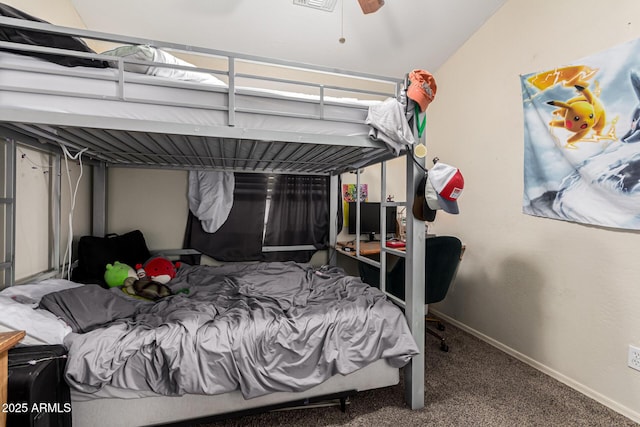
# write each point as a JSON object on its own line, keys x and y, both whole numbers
{"x": 77, "y": 106}
{"x": 125, "y": 117}
{"x": 33, "y": 85}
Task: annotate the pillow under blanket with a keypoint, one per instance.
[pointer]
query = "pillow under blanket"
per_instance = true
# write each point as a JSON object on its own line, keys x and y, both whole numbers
{"x": 150, "y": 53}
{"x": 88, "y": 307}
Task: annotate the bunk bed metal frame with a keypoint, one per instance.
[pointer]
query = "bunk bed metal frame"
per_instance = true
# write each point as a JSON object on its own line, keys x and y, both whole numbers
{"x": 230, "y": 147}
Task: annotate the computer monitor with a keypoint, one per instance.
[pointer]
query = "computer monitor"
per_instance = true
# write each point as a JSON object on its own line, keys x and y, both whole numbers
{"x": 370, "y": 218}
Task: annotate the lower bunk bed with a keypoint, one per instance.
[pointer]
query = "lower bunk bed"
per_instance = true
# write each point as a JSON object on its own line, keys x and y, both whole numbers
{"x": 230, "y": 338}
{"x": 191, "y": 409}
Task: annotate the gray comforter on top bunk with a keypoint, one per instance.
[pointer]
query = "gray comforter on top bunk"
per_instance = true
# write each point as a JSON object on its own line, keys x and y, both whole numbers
{"x": 259, "y": 328}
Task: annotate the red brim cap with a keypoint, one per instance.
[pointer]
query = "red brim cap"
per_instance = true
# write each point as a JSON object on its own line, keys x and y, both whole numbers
{"x": 448, "y": 184}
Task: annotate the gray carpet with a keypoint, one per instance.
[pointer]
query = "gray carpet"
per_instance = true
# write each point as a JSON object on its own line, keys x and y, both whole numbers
{"x": 474, "y": 384}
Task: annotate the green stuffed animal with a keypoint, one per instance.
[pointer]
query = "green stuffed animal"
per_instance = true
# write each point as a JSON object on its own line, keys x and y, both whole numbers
{"x": 116, "y": 274}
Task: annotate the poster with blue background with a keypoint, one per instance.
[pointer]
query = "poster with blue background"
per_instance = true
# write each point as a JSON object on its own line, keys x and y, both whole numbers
{"x": 582, "y": 140}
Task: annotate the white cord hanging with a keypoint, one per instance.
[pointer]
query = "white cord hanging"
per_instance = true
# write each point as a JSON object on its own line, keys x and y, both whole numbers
{"x": 73, "y": 194}
{"x": 342, "y": 39}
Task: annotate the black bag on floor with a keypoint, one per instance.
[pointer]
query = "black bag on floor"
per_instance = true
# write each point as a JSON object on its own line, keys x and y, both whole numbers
{"x": 94, "y": 253}
{"x": 37, "y": 393}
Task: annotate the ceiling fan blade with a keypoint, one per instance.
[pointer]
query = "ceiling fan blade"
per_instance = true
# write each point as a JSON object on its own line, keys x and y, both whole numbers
{"x": 370, "y": 6}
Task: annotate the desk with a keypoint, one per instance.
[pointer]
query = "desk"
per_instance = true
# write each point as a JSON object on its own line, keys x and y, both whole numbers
{"x": 372, "y": 248}
{"x": 7, "y": 341}
{"x": 366, "y": 248}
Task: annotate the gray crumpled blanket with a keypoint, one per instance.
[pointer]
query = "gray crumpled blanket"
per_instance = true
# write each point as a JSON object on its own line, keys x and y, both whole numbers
{"x": 259, "y": 328}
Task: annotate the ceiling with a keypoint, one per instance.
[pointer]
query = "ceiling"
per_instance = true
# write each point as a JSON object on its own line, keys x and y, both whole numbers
{"x": 401, "y": 36}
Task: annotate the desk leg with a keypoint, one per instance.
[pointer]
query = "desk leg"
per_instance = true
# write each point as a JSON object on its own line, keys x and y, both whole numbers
{"x": 4, "y": 377}
{"x": 7, "y": 341}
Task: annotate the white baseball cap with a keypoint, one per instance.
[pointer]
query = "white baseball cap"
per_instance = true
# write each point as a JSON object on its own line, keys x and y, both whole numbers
{"x": 443, "y": 187}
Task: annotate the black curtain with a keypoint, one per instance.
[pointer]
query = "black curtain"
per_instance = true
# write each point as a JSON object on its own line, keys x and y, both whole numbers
{"x": 240, "y": 237}
{"x": 298, "y": 215}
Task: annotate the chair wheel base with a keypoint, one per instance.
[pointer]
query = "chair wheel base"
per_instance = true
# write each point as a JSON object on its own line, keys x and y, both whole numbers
{"x": 443, "y": 344}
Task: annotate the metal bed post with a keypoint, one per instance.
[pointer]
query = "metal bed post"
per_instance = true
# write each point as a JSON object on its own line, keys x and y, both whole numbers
{"x": 383, "y": 226}
{"x": 414, "y": 292}
{"x": 99, "y": 200}
{"x": 231, "y": 113}
{"x": 56, "y": 210}
{"x": 415, "y": 283}
{"x": 11, "y": 212}
{"x": 333, "y": 218}
{"x": 9, "y": 202}
{"x": 357, "y": 214}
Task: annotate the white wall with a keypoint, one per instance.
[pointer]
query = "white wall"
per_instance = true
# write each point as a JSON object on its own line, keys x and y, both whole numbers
{"x": 58, "y": 12}
{"x": 34, "y": 226}
{"x": 151, "y": 200}
{"x": 33, "y": 181}
{"x": 565, "y": 296}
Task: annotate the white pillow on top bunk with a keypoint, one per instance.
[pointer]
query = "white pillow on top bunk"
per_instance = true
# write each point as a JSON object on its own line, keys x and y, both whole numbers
{"x": 138, "y": 53}
{"x": 149, "y": 53}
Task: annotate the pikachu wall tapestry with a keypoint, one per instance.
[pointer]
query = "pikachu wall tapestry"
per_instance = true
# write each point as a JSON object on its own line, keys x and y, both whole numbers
{"x": 582, "y": 140}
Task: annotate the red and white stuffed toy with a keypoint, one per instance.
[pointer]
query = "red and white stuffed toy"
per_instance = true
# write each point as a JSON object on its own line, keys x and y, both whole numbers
{"x": 158, "y": 269}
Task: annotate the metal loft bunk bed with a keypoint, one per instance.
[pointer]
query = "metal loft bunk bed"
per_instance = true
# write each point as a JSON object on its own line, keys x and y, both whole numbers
{"x": 125, "y": 119}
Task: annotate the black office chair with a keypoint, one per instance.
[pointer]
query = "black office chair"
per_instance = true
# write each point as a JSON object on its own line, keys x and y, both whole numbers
{"x": 444, "y": 254}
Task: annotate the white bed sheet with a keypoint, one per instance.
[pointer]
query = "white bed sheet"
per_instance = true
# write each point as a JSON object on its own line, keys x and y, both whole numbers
{"x": 18, "y": 311}
{"x": 28, "y": 83}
